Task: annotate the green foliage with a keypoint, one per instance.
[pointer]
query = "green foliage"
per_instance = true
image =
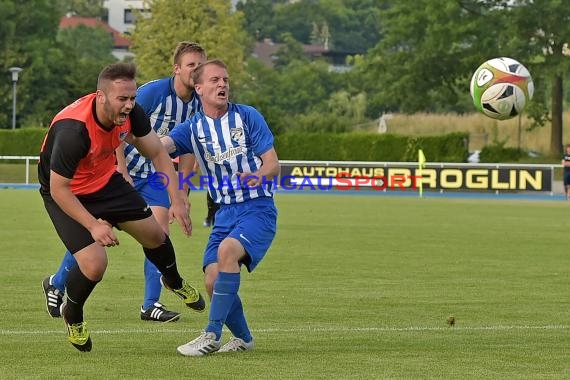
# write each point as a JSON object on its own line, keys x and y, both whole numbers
{"x": 420, "y": 55}
{"x": 452, "y": 147}
{"x": 305, "y": 146}
{"x": 258, "y": 17}
{"x": 21, "y": 142}
{"x": 346, "y": 25}
{"x": 27, "y": 38}
{"x": 90, "y": 51}
{"x": 354, "y": 25}
{"x": 291, "y": 52}
{"x": 64, "y": 72}
{"x": 545, "y": 30}
{"x": 430, "y": 48}
{"x": 87, "y": 43}
{"x": 85, "y": 8}
{"x": 297, "y": 19}
{"x": 425, "y": 60}
{"x": 212, "y": 24}
{"x": 497, "y": 152}
{"x": 59, "y": 66}
{"x": 297, "y": 97}
{"x": 370, "y": 147}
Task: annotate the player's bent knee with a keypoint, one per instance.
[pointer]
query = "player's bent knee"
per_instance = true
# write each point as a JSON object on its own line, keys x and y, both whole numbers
{"x": 147, "y": 232}
{"x": 155, "y": 241}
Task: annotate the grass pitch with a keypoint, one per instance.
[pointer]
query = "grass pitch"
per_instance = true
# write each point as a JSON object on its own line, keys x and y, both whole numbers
{"x": 354, "y": 287}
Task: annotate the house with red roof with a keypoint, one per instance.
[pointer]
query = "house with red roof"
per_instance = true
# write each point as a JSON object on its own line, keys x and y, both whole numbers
{"x": 121, "y": 43}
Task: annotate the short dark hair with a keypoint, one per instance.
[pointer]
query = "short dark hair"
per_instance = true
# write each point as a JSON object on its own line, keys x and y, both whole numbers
{"x": 114, "y": 71}
{"x": 187, "y": 47}
{"x": 198, "y": 71}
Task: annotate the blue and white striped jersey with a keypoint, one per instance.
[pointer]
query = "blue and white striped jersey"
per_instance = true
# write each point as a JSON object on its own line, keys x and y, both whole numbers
{"x": 224, "y": 146}
{"x": 165, "y": 109}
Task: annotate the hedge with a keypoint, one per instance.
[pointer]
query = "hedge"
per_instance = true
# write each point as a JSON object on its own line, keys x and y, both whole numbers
{"x": 371, "y": 147}
{"x": 21, "y": 142}
{"x": 306, "y": 146}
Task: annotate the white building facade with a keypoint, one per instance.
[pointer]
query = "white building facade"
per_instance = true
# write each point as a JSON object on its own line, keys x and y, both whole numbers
{"x": 122, "y": 14}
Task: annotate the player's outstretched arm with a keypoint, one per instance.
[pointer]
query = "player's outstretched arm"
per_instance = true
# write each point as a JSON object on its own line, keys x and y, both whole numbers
{"x": 151, "y": 147}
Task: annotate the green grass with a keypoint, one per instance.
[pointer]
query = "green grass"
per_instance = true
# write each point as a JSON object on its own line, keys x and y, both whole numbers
{"x": 354, "y": 287}
{"x": 16, "y": 172}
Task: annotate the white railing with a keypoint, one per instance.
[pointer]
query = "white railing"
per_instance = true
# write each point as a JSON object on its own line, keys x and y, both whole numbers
{"x": 286, "y": 165}
{"x": 27, "y": 159}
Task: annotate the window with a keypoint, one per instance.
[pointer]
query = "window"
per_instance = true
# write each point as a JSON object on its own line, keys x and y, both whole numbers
{"x": 131, "y": 13}
{"x": 129, "y": 16}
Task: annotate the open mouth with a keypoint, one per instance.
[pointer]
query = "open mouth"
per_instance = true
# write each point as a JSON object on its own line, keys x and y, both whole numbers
{"x": 221, "y": 94}
{"x": 122, "y": 117}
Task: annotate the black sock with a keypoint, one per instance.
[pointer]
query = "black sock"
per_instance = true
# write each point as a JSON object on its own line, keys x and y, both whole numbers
{"x": 78, "y": 289}
{"x": 212, "y": 208}
{"x": 164, "y": 258}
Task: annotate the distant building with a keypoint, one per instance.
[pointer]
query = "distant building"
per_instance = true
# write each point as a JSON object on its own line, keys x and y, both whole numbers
{"x": 266, "y": 52}
{"x": 121, "y": 13}
{"x": 121, "y": 44}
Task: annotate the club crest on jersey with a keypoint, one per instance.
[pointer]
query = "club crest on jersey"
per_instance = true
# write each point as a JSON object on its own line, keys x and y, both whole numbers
{"x": 236, "y": 133}
{"x": 122, "y": 135}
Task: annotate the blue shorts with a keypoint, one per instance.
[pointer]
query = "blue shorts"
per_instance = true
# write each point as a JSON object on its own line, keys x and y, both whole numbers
{"x": 253, "y": 223}
{"x": 153, "y": 197}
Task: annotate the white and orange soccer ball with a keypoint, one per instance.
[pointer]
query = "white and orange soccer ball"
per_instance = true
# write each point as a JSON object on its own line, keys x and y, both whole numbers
{"x": 501, "y": 88}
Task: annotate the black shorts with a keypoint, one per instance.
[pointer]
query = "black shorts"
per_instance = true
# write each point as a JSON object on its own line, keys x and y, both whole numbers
{"x": 116, "y": 202}
{"x": 566, "y": 178}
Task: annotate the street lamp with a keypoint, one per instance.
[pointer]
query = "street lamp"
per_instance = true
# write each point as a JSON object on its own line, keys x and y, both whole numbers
{"x": 15, "y": 71}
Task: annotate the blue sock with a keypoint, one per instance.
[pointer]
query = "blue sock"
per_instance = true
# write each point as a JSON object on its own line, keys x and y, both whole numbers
{"x": 152, "y": 286}
{"x": 236, "y": 321}
{"x": 225, "y": 292}
{"x": 60, "y": 277}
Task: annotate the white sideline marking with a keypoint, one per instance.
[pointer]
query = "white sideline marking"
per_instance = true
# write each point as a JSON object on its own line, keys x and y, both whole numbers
{"x": 304, "y": 329}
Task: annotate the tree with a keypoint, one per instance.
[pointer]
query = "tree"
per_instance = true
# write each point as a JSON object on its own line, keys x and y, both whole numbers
{"x": 426, "y": 57}
{"x": 85, "y": 8}
{"x": 354, "y": 24}
{"x": 27, "y": 40}
{"x": 258, "y": 16}
{"x": 90, "y": 50}
{"x": 291, "y": 51}
{"x": 296, "y": 96}
{"x": 540, "y": 30}
{"x": 211, "y": 23}
{"x": 430, "y": 49}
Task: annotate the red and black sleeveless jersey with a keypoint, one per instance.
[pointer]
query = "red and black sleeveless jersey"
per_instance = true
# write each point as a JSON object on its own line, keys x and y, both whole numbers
{"x": 78, "y": 147}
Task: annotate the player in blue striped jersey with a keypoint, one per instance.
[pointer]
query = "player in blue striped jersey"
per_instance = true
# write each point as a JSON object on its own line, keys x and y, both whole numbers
{"x": 234, "y": 147}
{"x": 167, "y": 102}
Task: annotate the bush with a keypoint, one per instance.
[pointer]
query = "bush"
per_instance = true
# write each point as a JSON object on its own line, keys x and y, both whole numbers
{"x": 370, "y": 147}
{"x": 497, "y": 153}
{"x": 306, "y": 146}
{"x": 21, "y": 142}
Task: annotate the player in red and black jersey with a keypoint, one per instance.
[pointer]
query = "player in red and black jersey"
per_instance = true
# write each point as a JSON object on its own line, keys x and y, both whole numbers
{"x": 85, "y": 196}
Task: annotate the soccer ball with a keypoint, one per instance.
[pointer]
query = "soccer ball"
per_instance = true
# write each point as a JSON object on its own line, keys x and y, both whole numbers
{"x": 501, "y": 87}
